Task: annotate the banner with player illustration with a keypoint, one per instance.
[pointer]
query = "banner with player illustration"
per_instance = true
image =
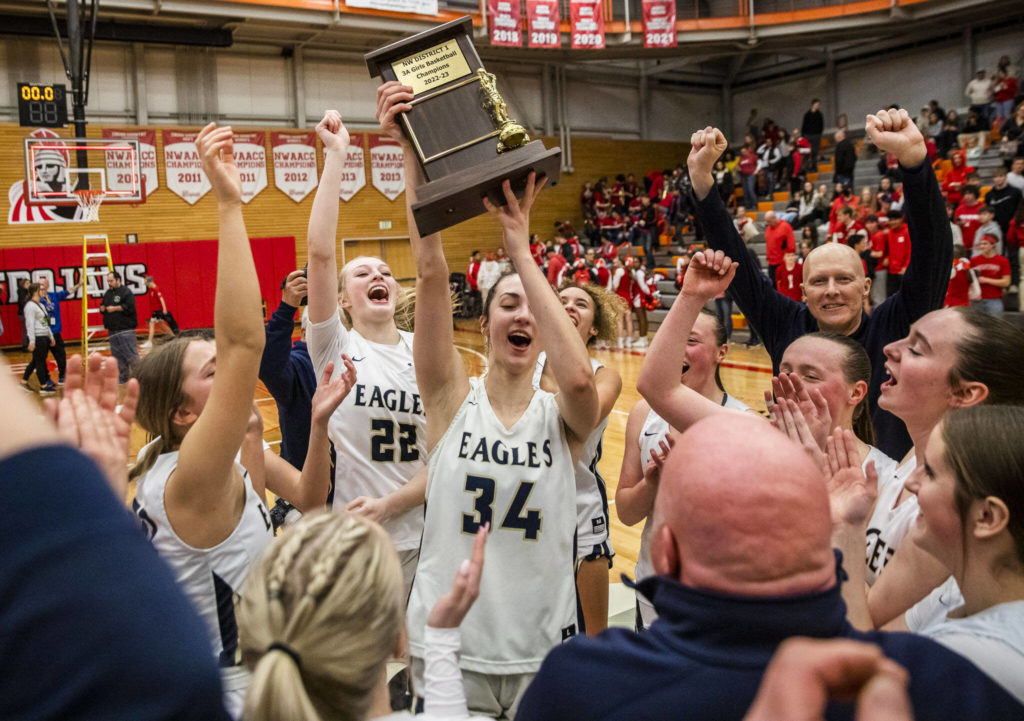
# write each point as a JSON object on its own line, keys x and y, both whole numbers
{"x": 387, "y": 166}
{"x": 182, "y": 167}
{"x": 294, "y": 157}
{"x": 353, "y": 179}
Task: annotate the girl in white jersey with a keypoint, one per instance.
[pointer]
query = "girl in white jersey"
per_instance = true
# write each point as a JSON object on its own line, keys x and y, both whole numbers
{"x": 595, "y": 314}
{"x": 646, "y": 433}
{"x": 378, "y": 431}
{"x": 972, "y": 521}
{"x": 204, "y": 511}
{"x": 502, "y": 453}
{"x": 953, "y": 358}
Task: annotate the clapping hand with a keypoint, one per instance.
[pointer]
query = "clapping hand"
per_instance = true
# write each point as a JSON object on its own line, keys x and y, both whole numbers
{"x": 852, "y": 489}
{"x": 652, "y": 472}
{"x": 452, "y": 607}
{"x": 331, "y": 392}
{"x": 810, "y": 402}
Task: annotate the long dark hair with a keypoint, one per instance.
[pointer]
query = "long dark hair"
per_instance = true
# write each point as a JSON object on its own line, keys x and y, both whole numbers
{"x": 991, "y": 354}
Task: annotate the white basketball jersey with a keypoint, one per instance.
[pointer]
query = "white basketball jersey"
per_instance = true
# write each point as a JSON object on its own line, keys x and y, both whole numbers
{"x": 519, "y": 480}
{"x": 211, "y": 577}
{"x": 889, "y": 523}
{"x": 379, "y": 430}
{"x": 591, "y": 495}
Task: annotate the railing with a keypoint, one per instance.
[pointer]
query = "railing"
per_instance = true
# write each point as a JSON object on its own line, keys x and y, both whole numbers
{"x": 691, "y": 15}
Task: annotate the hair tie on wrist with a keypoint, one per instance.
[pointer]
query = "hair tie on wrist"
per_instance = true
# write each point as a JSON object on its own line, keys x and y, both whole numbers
{"x": 277, "y": 646}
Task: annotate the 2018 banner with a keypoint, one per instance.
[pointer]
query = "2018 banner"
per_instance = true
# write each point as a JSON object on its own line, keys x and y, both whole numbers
{"x": 185, "y": 271}
{"x": 353, "y": 179}
{"x": 542, "y": 21}
{"x": 503, "y": 16}
{"x": 294, "y": 163}
{"x": 118, "y": 167}
{"x": 182, "y": 167}
{"x": 387, "y": 166}
{"x": 659, "y": 23}
{"x": 587, "y": 20}
{"x": 251, "y": 159}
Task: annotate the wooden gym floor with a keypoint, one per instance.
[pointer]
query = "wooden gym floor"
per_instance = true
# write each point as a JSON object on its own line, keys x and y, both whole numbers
{"x": 746, "y": 374}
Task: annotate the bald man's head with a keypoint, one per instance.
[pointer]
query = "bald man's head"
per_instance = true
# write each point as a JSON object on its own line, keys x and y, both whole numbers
{"x": 770, "y": 218}
{"x": 741, "y": 509}
{"x": 835, "y": 286}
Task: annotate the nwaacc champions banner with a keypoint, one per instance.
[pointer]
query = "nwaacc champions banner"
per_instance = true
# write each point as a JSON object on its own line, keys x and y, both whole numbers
{"x": 251, "y": 159}
{"x": 294, "y": 163}
{"x": 182, "y": 167}
{"x": 119, "y": 175}
{"x": 387, "y": 166}
{"x": 185, "y": 271}
{"x": 353, "y": 179}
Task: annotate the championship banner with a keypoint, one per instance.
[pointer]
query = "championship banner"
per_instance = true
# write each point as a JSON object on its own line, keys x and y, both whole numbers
{"x": 353, "y": 178}
{"x": 184, "y": 270}
{"x": 251, "y": 159}
{"x": 542, "y": 20}
{"x": 182, "y": 167}
{"x": 659, "y": 23}
{"x": 387, "y": 166}
{"x": 505, "y": 23}
{"x": 587, "y": 21}
{"x": 294, "y": 163}
{"x": 419, "y": 7}
{"x": 119, "y": 170}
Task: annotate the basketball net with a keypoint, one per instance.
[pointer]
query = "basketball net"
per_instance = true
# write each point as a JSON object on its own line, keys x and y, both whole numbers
{"x": 90, "y": 201}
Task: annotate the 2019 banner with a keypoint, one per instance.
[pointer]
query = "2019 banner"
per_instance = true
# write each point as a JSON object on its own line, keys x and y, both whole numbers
{"x": 542, "y": 21}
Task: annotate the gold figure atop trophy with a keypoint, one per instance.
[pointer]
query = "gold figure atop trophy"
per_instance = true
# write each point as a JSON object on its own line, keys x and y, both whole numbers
{"x": 511, "y": 135}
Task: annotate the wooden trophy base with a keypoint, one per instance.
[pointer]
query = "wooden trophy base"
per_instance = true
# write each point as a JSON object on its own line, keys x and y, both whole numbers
{"x": 458, "y": 196}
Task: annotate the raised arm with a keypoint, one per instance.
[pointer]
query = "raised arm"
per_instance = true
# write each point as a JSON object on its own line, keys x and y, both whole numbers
{"x": 322, "y": 234}
{"x": 440, "y": 374}
{"x": 769, "y": 312}
{"x": 577, "y": 396}
{"x": 204, "y": 478}
{"x": 707, "y": 275}
{"x": 924, "y": 285}
{"x": 276, "y": 369}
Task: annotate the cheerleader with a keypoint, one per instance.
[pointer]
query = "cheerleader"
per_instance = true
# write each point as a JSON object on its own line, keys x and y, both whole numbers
{"x": 620, "y": 282}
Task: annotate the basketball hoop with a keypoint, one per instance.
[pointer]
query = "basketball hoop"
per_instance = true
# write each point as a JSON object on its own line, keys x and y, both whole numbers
{"x": 89, "y": 201}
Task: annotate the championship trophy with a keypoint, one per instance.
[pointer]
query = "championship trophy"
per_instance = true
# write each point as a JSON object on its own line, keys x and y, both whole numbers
{"x": 459, "y": 126}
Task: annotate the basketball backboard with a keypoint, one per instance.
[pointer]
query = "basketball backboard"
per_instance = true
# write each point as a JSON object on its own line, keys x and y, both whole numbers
{"x": 54, "y": 169}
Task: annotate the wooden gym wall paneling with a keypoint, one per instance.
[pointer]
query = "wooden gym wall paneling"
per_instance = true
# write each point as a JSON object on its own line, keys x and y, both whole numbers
{"x": 166, "y": 217}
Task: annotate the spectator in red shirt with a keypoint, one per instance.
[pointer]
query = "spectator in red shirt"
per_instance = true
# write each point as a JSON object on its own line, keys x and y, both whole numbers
{"x": 473, "y": 272}
{"x": 968, "y": 215}
{"x": 959, "y": 279}
{"x": 956, "y": 179}
{"x": 844, "y": 225}
{"x": 789, "y": 277}
{"x": 748, "y": 165}
{"x": 899, "y": 251}
{"x": 537, "y": 249}
{"x": 778, "y": 240}
{"x": 1004, "y": 90}
{"x": 844, "y": 197}
{"x": 993, "y": 274}
{"x": 879, "y": 242}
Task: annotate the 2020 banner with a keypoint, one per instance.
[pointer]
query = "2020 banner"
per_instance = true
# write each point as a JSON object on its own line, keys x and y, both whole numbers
{"x": 587, "y": 20}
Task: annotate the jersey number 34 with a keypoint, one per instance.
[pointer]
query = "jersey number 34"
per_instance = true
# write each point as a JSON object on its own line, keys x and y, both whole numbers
{"x": 517, "y": 517}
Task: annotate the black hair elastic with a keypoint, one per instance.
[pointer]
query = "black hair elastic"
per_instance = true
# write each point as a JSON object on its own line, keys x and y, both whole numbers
{"x": 288, "y": 650}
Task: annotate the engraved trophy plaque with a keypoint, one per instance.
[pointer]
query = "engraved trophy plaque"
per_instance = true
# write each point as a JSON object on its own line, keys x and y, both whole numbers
{"x": 459, "y": 126}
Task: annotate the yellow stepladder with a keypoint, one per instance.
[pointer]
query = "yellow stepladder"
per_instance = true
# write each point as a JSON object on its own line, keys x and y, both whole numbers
{"x": 92, "y": 270}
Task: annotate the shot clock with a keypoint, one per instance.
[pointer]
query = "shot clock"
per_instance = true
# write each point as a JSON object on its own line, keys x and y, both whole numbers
{"x": 42, "y": 106}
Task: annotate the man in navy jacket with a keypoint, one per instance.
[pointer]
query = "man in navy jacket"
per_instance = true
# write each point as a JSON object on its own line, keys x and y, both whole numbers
{"x": 742, "y": 546}
{"x": 835, "y": 284}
